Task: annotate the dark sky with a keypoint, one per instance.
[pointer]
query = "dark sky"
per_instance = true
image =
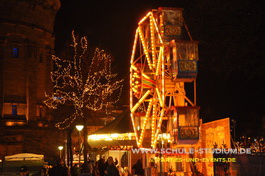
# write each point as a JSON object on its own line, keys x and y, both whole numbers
{"x": 231, "y": 79}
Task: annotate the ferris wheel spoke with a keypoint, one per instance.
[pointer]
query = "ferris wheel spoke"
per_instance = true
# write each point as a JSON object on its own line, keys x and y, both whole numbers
{"x": 140, "y": 101}
{"x": 159, "y": 97}
{"x": 159, "y": 125}
{"x": 145, "y": 48}
{"x": 158, "y": 67}
{"x": 134, "y": 45}
{"x": 134, "y": 128}
{"x": 157, "y": 30}
{"x": 153, "y": 122}
{"x": 147, "y": 115}
{"x": 144, "y": 18}
{"x": 152, "y": 32}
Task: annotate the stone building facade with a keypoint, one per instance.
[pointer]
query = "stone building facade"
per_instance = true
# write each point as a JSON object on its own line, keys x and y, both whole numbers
{"x": 26, "y": 46}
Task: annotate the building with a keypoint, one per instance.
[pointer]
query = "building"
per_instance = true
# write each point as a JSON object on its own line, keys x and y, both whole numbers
{"x": 26, "y": 46}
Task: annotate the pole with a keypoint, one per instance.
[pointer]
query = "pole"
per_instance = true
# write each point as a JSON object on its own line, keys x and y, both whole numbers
{"x": 69, "y": 148}
{"x": 79, "y": 141}
{"x": 85, "y": 146}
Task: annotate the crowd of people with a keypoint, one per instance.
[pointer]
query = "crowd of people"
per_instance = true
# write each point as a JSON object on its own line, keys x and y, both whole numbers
{"x": 257, "y": 145}
{"x": 100, "y": 168}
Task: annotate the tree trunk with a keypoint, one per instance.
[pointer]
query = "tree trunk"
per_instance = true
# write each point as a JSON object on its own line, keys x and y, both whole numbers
{"x": 69, "y": 148}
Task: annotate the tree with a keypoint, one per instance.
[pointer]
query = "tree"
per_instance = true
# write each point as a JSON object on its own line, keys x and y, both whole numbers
{"x": 84, "y": 82}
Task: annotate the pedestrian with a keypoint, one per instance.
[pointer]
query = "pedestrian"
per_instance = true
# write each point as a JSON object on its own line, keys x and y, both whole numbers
{"x": 23, "y": 171}
{"x": 74, "y": 170}
{"x": 59, "y": 169}
{"x": 138, "y": 168}
{"x": 116, "y": 162}
{"x": 92, "y": 168}
{"x": 85, "y": 168}
{"x": 101, "y": 167}
{"x": 111, "y": 169}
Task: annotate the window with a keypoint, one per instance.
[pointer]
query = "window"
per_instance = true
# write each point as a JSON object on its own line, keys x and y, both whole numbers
{"x": 41, "y": 58}
{"x": 14, "y": 110}
{"x": 40, "y": 111}
{"x": 15, "y": 53}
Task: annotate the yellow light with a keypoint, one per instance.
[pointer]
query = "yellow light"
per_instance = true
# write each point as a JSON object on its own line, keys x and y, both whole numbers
{"x": 144, "y": 18}
{"x": 115, "y": 135}
{"x": 153, "y": 123}
{"x": 153, "y": 42}
{"x": 79, "y": 127}
{"x": 134, "y": 68}
{"x": 157, "y": 30}
{"x": 145, "y": 48}
{"x": 140, "y": 101}
{"x": 145, "y": 120}
{"x": 134, "y": 128}
{"x": 159, "y": 61}
{"x": 134, "y": 45}
{"x": 159, "y": 124}
{"x": 144, "y": 75}
{"x": 159, "y": 97}
{"x": 60, "y": 147}
{"x": 163, "y": 75}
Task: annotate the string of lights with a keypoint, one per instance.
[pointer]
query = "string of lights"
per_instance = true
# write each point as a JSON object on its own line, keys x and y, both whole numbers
{"x": 93, "y": 88}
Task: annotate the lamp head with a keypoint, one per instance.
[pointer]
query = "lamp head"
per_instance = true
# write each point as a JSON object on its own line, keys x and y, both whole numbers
{"x": 79, "y": 127}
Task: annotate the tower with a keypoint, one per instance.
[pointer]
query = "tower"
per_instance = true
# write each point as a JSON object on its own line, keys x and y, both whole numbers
{"x": 26, "y": 46}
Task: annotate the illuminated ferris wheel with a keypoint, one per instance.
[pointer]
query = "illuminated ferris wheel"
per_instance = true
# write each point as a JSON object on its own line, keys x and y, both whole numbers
{"x": 161, "y": 64}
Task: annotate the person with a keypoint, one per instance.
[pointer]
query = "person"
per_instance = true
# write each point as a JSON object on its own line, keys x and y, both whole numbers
{"x": 92, "y": 168}
{"x": 23, "y": 171}
{"x": 59, "y": 169}
{"x": 116, "y": 162}
{"x": 138, "y": 168}
{"x": 101, "y": 166}
{"x": 85, "y": 168}
{"x": 111, "y": 169}
{"x": 74, "y": 170}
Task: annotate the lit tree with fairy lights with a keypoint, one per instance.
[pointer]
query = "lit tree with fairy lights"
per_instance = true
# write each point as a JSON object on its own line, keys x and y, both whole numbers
{"x": 84, "y": 83}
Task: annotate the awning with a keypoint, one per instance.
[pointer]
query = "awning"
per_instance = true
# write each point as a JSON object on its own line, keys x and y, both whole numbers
{"x": 24, "y": 156}
{"x": 115, "y": 144}
{"x": 121, "y": 124}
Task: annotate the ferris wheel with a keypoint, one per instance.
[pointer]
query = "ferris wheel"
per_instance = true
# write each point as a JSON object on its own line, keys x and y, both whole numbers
{"x": 161, "y": 64}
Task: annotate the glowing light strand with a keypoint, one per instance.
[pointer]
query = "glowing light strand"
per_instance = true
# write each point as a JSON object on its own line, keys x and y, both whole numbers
{"x": 94, "y": 88}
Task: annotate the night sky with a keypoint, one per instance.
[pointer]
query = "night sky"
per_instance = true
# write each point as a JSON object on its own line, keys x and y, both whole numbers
{"x": 231, "y": 79}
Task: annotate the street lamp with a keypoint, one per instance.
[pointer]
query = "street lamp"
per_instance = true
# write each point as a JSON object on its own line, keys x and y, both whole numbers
{"x": 60, "y": 149}
{"x": 79, "y": 128}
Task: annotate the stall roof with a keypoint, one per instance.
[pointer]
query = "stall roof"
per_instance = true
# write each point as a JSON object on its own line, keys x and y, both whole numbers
{"x": 122, "y": 124}
{"x": 113, "y": 143}
{"x": 24, "y": 156}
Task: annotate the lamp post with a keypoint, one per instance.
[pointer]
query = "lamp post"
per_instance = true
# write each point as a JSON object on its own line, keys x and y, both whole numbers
{"x": 79, "y": 128}
{"x": 60, "y": 149}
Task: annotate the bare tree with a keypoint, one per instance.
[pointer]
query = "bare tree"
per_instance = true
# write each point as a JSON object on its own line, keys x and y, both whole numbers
{"x": 93, "y": 87}
{"x": 84, "y": 82}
